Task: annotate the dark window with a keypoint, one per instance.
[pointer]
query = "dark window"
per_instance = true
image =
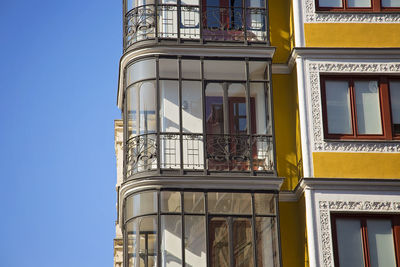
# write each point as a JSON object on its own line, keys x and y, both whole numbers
{"x": 366, "y": 240}
{"x": 361, "y": 107}
{"x": 358, "y": 5}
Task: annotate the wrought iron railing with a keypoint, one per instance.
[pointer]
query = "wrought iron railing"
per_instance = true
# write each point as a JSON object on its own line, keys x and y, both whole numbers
{"x": 236, "y": 24}
{"x": 191, "y": 152}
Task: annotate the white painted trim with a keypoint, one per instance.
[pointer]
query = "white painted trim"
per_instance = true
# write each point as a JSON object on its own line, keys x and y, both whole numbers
{"x": 298, "y": 23}
{"x": 312, "y": 240}
{"x": 304, "y": 121}
{"x": 281, "y": 69}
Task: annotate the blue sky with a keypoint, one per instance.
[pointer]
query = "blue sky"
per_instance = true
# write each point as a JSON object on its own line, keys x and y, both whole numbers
{"x": 58, "y": 84}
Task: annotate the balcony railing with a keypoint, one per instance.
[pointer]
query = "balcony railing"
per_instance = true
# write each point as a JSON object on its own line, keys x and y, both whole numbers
{"x": 233, "y": 24}
{"x": 223, "y": 153}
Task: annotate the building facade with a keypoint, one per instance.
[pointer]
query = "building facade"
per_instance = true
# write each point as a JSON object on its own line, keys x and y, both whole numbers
{"x": 259, "y": 133}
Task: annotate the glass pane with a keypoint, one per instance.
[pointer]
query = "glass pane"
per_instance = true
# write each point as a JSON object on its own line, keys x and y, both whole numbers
{"x": 143, "y": 69}
{"x": 267, "y": 242}
{"x": 167, "y": 21}
{"x": 194, "y": 202}
{"x": 170, "y": 201}
{"x": 391, "y": 3}
{"x": 349, "y": 242}
{"x": 219, "y": 243}
{"x": 242, "y": 243}
{"x": 171, "y": 240}
{"x": 169, "y": 106}
{"x": 168, "y": 68}
{"x": 139, "y": 204}
{"x": 338, "y": 107}
{"x": 229, "y": 203}
{"x": 256, "y": 3}
{"x": 257, "y": 70}
{"x": 330, "y": 3}
{"x": 368, "y": 107}
{"x": 192, "y": 107}
{"x": 380, "y": 241}
{"x": 214, "y": 108}
{"x": 131, "y": 231}
{"x": 237, "y": 108}
{"x": 147, "y": 118}
{"x": 256, "y": 26}
{"x": 358, "y": 3}
{"x": 190, "y": 2}
{"x": 264, "y": 204}
{"x": 395, "y": 104}
{"x": 195, "y": 241}
{"x": 191, "y": 69}
{"x": 148, "y": 242}
{"x": 132, "y": 102}
{"x": 224, "y": 70}
{"x": 190, "y": 21}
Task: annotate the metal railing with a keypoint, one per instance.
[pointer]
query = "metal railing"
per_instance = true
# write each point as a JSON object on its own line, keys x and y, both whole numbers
{"x": 190, "y": 152}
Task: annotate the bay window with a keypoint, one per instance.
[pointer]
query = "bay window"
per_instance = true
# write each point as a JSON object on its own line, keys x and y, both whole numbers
{"x": 366, "y": 240}
{"x": 361, "y": 107}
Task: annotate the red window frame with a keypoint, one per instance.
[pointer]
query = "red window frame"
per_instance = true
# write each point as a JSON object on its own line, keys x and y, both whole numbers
{"x": 384, "y": 101}
{"x": 376, "y": 6}
{"x": 395, "y": 218}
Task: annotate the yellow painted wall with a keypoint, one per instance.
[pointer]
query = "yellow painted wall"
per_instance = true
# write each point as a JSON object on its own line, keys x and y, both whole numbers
{"x": 293, "y": 234}
{"x": 352, "y": 34}
{"x": 286, "y": 130}
{"x": 356, "y": 165}
{"x": 281, "y": 30}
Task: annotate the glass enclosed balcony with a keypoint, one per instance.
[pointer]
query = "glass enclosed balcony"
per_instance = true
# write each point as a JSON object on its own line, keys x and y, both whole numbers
{"x": 200, "y": 116}
{"x": 240, "y": 21}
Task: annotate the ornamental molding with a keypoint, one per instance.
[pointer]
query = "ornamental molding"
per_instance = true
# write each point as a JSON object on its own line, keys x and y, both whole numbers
{"x": 326, "y": 207}
{"x": 311, "y": 16}
{"x": 319, "y": 144}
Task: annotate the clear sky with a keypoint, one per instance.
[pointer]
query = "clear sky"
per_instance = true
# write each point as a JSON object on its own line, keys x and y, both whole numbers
{"x": 58, "y": 85}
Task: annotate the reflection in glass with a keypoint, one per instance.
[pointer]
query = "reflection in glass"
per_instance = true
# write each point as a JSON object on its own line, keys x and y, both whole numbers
{"x": 264, "y": 204}
{"x": 359, "y": 3}
{"x": 391, "y": 3}
{"x": 139, "y": 204}
{"x": 171, "y": 240}
{"x": 219, "y": 244}
{"x": 349, "y": 242}
{"x": 242, "y": 243}
{"x": 195, "y": 241}
{"x": 338, "y": 107}
{"x": 267, "y": 242}
{"x": 191, "y": 69}
{"x": 229, "y": 203}
{"x": 148, "y": 242}
{"x": 147, "y": 119}
{"x": 194, "y": 202}
{"x": 140, "y": 70}
{"x": 214, "y": 108}
{"x": 168, "y": 68}
{"x": 330, "y": 3}
{"x": 395, "y": 104}
{"x": 368, "y": 107}
{"x": 224, "y": 70}
{"x": 380, "y": 242}
{"x": 131, "y": 231}
{"x": 170, "y": 201}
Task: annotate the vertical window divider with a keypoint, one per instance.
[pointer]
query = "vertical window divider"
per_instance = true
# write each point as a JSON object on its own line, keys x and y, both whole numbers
{"x": 266, "y": 10}
{"x": 244, "y": 17}
{"x": 183, "y": 228}
{"x": 179, "y": 20}
{"x": 230, "y": 241}
{"x": 158, "y": 146}
{"x": 364, "y": 232}
{"x": 249, "y": 116}
{"x": 203, "y": 95}
{"x": 253, "y": 218}
{"x": 278, "y": 229}
{"x": 271, "y": 105}
{"x": 125, "y": 130}
{"x": 158, "y": 236}
{"x": 353, "y": 107}
{"x": 386, "y": 116}
{"x": 207, "y": 230}
{"x": 180, "y": 114}
{"x": 396, "y": 236}
{"x": 156, "y": 20}
{"x": 201, "y": 20}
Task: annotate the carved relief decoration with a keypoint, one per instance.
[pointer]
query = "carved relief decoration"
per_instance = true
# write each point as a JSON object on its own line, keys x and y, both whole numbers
{"x": 310, "y": 16}
{"x": 319, "y": 144}
{"x": 325, "y": 207}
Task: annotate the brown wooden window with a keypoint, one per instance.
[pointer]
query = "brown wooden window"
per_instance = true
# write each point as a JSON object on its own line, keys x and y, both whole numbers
{"x": 366, "y": 240}
{"x": 358, "y": 5}
{"x": 363, "y": 107}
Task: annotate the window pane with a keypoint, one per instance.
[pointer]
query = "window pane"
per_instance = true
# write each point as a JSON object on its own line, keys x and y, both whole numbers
{"x": 170, "y": 201}
{"x": 169, "y": 106}
{"x": 229, "y": 203}
{"x": 132, "y": 104}
{"x": 219, "y": 69}
{"x": 358, "y": 3}
{"x": 237, "y": 108}
{"x": 168, "y": 21}
{"x": 256, "y": 3}
{"x": 192, "y": 107}
{"x": 191, "y": 69}
{"x": 190, "y": 21}
{"x": 368, "y": 107}
{"x": 219, "y": 243}
{"x": 147, "y": 103}
{"x": 195, "y": 241}
{"x": 338, "y": 107}
{"x": 242, "y": 243}
{"x": 139, "y": 204}
{"x": 330, "y": 3}
{"x": 349, "y": 242}
{"x": 395, "y": 104}
{"x": 264, "y": 204}
{"x": 148, "y": 242}
{"x": 168, "y": 68}
{"x": 131, "y": 231}
{"x": 214, "y": 108}
{"x": 143, "y": 69}
{"x": 194, "y": 202}
{"x": 380, "y": 241}
{"x": 171, "y": 240}
{"x": 267, "y": 240}
{"x": 391, "y": 3}
{"x": 257, "y": 70}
